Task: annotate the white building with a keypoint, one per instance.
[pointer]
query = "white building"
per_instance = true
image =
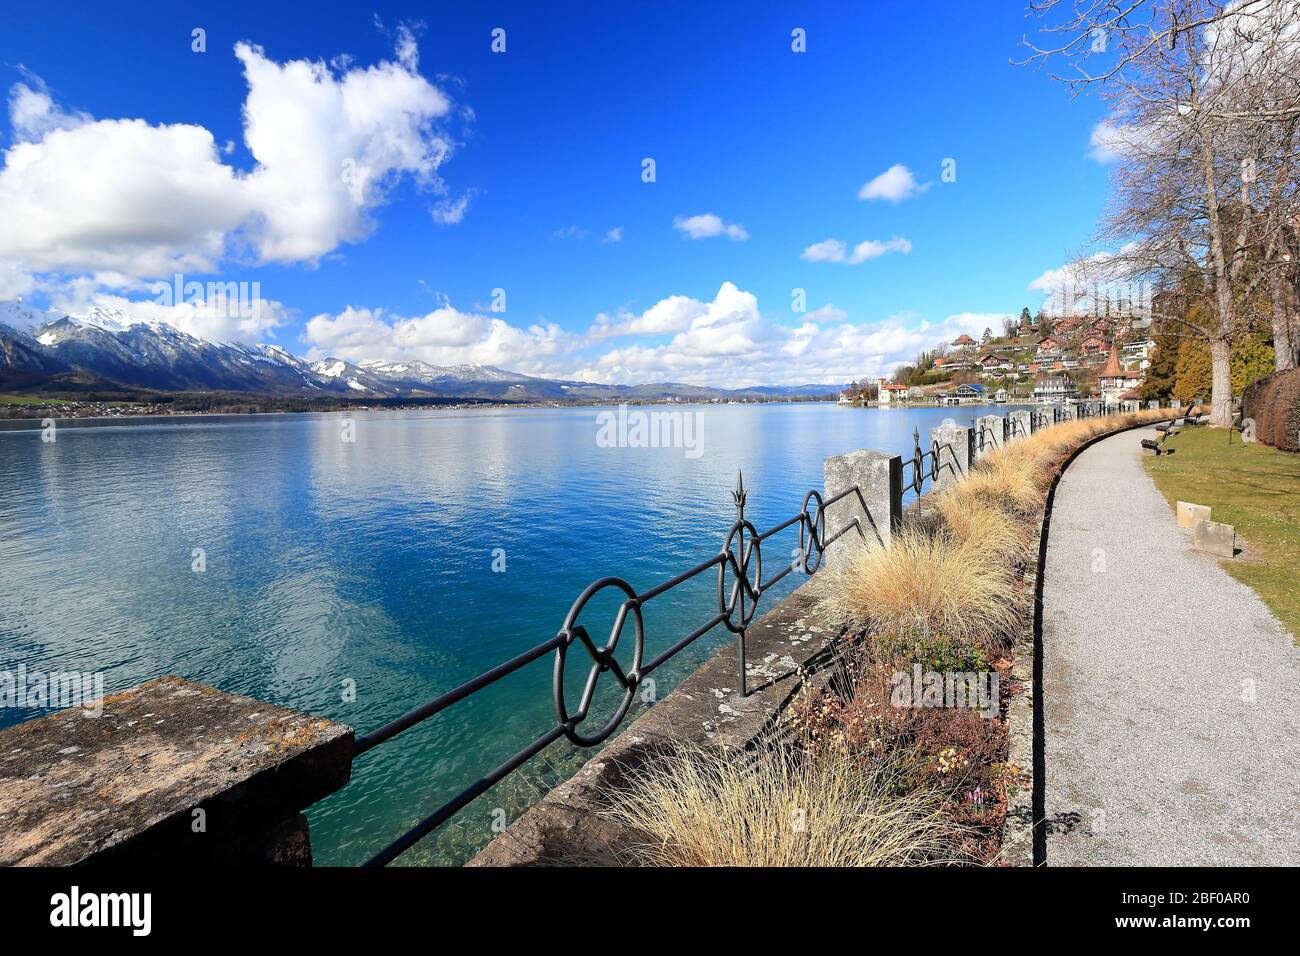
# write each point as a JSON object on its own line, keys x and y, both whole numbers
{"x": 890, "y": 394}
{"x": 1054, "y": 388}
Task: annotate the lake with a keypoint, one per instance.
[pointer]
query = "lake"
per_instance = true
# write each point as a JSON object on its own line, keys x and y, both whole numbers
{"x": 294, "y": 557}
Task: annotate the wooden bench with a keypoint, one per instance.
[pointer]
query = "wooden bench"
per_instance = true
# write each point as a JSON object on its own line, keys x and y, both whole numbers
{"x": 1157, "y": 444}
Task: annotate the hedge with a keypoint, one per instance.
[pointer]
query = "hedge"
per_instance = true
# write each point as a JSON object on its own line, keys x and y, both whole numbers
{"x": 1274, "y": 403}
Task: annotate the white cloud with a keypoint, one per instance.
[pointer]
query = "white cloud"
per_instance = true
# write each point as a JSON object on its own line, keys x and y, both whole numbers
{"x": 836, "y": 250}
{"x": 570, "y": 232}
{"x": 614, "y": 235}
{"x": 33, "y": 113}
{"x": 725, "y": 341}
{"x": 826, "y": 315}
{"x": 119, "y": 195}
{"x": 895, "y": 184}
{"x": 80, "y": 195}
{"x": 14, "y": 280}
{"x": 730, "y": 344}
{"x": 1110, "y": 143}
{"x": 673, "y": 314}
{"x": 328, "y": 147}
{"x": 444, "y": 336}
{"x": 448, "y": 212}
{"x": 217, "y": 313}
{"x": 707, "y": 226}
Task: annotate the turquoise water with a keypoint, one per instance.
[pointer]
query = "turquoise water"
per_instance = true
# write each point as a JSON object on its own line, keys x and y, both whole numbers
{"x": 330, "y": 563}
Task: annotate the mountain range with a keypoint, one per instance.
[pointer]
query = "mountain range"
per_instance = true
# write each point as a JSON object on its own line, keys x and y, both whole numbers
{"x": 110, "y": 348}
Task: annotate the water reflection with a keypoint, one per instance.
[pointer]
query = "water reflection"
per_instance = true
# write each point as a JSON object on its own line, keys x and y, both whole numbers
{"x": 369, "y": 563}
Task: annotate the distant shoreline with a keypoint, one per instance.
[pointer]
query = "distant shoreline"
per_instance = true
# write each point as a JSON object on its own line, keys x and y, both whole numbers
{"x": 116, "y": 411}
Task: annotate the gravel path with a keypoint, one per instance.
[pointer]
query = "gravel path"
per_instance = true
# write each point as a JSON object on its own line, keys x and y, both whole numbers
{"x": 1157, "y": 751}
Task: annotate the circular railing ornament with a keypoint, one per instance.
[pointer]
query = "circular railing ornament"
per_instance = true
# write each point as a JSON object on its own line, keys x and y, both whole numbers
{"x": 743, "y": 537}
{"x": 812, "y": 524}
{"x": 602, "y": 660}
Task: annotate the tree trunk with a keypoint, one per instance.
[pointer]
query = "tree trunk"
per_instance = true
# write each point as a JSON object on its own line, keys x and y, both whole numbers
{"x": 1221, "y": 384}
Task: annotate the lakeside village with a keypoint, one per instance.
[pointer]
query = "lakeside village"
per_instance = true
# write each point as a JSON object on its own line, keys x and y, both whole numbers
{"x": 1037, "y": 358}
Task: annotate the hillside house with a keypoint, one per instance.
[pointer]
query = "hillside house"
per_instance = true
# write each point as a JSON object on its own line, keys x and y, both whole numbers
{"x": 1139, "y": 353}
{"x": 996, "y": 363}
{"x": 1048, "y": 349}
{"x": 1093, "y": 344}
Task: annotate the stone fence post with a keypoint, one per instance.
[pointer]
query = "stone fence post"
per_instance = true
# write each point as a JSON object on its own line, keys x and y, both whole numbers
{"x": 990, "y": 433}
{"x": 169, "y": 772}
{"x": 1019, "y": 424}
{"x": 877, "y": 502}
{"x": 956, "y": 451}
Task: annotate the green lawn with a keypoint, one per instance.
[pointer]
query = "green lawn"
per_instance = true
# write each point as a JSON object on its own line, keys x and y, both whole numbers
{"x": 1254, "y": 488}
{"x": 21, "y": 400}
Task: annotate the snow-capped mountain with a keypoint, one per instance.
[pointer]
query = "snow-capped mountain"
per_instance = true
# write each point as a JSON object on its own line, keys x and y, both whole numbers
{"x": 110, "y": 347}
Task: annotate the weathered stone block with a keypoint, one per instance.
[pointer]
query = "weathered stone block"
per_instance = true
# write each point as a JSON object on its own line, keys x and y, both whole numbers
{"x": 124, "y": 787}
{"x": 1019, "y": 424}
{"x": 956, "y": 451}
{"x": 1215, "y": 537}
{"x": 1189, "y": 514}
{"x": 876, "y": 501}
{"x": 990, "y": 433}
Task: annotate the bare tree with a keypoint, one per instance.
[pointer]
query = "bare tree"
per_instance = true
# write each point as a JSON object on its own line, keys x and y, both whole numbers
{"x": 1205, "y": 97}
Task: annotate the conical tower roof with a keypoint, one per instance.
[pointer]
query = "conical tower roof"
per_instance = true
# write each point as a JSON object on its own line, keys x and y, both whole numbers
{"x": 1112, "y": 369}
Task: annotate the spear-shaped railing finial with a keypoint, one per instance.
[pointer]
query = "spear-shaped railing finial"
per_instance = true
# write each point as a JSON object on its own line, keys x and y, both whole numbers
{"x": 738, "y": 496}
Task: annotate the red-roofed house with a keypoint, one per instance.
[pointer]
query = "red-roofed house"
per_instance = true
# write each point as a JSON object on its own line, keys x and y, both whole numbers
{"x": 1047, "y": 346}
{"x": 890, "y": 393}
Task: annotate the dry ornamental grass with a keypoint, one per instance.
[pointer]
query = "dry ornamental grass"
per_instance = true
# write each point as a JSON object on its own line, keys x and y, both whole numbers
{"x": 783, "y": 808}
{"x": 950, "y": 581}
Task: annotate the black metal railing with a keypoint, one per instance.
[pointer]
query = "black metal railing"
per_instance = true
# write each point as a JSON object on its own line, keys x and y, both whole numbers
{"x": 920, "y": 469}
{"x": 737, "y": 602}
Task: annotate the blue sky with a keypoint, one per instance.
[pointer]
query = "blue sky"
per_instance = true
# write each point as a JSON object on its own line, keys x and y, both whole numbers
{"x": 536, "y": 153}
